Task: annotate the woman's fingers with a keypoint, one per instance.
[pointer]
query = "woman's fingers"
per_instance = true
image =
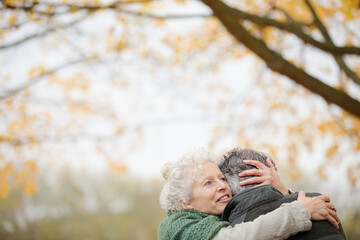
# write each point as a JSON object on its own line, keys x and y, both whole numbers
{"x": 255, "y": 163}
{"x": 251, "y": 172}
{"x": 263, "y": 175}
{"x": 333, "y": 220}
{"x": 324, "y": 198}
{"x": 254, "y": 172}
{"x": 269, "y": 163}
{"x": 335, "y": 216}
{"x": 252, "y": 180}
{"x": 331, "y": 206}
{"x": 332, "y": 211}
{"x": 301, "y": 194}
{"x": 320, "y": 209}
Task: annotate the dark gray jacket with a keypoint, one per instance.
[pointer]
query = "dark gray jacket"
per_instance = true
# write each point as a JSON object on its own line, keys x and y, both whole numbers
{"x": 253, "y": 202}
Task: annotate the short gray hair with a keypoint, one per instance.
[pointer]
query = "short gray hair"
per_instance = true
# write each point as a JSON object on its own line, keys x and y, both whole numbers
{"x": 232, "y": 164}
{"x": 180, "y": 176}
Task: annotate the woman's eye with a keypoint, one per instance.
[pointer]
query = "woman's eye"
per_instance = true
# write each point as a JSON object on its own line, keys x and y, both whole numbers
{"x": 223, "y": 179}
{"x": 207, "y": 183}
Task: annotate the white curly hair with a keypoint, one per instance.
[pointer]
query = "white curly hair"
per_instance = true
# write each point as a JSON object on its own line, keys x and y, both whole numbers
{"x": 179, "y": 177}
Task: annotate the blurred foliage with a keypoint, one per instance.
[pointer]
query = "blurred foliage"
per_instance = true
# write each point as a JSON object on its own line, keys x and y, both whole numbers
{"x": 351, "y": 227}
{"x": 82, "y": 206}
{"x": 92, "y": 61}
{"x": 108, "y": 207}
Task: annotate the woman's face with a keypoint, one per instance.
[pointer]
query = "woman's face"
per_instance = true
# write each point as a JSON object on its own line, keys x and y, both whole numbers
{"x": 210, "y": 191}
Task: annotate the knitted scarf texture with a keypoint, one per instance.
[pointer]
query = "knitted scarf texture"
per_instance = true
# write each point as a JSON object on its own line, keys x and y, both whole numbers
{"x": 190, "y": 225}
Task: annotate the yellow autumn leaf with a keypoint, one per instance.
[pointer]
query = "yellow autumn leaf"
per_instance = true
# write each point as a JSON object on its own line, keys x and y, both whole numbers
{"x": 238, "y": 52}
{"x": 353, "y": 174}
{"x": 49, "y": 9}
{"x": 180, "y": 1}
{"x": 31, "y": 166}
{"x": 349, "y": 7}
{"x": 292, "y": 160}
{"x": 159, "y": 22}
{"x": 86, "y": 110}
{"x": 332, "y": 127}
{"x": 80, "y": 109}
{"x": 123, "y": 20}
{"x": 348, "y": 14}
{"x": 217, "y": 130}
{"x": 15, "y": 126}
{"x": 121, "y": 44}
{"x": 109, "y": 42}
{"x": 130, "y": 1}
{"x": 123, "y": 83}
{"x": 211, "y": 144}
{"x": 12, "y": 20}
{"x": 32, "y": 16}
{"x": 36, "y": 71}
{"x": 120, "y": 130}
{"x": 7, "y": 170}
{"x": 297, "y": 9}
{"x": 331, "y": 151}
{"x": 20, "y": 178}
{"x": 358, "y": 145}
{"x": 293, "y": 173}
{"x": 4, "y": 187}
{"x": 73, "y": 8}
{"x": 116, "y": 167}
{"x": 356, "y": 125}
{"x": 77, "y": 81}
{"x": 321, "y": 174}
{"x": 30, "y": 187}
{"x": 13, "y": 2}
{"x": 28, "y": 171}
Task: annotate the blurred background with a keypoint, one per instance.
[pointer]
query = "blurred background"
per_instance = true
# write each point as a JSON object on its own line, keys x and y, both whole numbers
{"x": 96, "y": 95}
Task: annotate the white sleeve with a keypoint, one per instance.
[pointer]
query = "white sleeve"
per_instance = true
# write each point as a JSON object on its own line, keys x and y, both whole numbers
{"x": 287, "y": 220}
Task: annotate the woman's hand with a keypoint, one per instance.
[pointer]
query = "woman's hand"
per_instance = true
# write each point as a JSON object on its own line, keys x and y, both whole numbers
{"x": 320, "y": 208}
{"x": 268, "y": 176}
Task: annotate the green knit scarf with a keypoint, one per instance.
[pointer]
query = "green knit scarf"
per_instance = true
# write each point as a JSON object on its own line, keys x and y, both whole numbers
{"x": 190, "y": 225}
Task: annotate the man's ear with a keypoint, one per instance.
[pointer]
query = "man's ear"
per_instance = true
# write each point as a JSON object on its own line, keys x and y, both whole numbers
{"x": 186, "y": 206}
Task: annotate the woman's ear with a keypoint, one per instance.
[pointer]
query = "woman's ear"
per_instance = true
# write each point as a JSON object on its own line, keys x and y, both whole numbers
{"x": 186, "y": 206}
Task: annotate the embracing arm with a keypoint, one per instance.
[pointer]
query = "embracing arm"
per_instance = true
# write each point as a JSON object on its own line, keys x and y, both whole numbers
{"x": 281, "y": 223}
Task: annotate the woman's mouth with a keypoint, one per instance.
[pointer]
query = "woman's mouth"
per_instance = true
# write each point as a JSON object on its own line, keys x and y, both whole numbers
{"x": 224, "y": 198}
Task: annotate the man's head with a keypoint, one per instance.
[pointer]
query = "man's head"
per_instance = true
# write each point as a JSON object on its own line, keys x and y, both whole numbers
{"x": 232, "y": 164}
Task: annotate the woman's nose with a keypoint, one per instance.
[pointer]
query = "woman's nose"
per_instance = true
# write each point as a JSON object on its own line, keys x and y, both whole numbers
{"x": 221, "y": 185}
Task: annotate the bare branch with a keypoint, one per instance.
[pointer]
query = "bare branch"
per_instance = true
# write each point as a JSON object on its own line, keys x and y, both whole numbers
{"x": 169, "y": 17}
{"x": 36, "y": 79}
{"x": 114, "y": 6}
{"x": 91, "y": 9}
{"x": 295, "y": 28}
{"x": 57, "y": 139}
{"x": 42, "y": 34}
{"x": 341, "y": 63}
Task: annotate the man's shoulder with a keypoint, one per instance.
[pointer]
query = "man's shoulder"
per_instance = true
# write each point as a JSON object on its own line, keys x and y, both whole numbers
{"x": 259, "y": 189}
{"x": 250, "y": 198}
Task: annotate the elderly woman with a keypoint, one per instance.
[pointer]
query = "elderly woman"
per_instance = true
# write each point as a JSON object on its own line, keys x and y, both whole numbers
{"x": 196, "y": 193}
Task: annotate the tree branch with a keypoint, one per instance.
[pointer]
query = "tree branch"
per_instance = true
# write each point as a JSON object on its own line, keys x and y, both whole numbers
{"x": 42, "y": 34}
{"x": 114, "y": 6}
{"x": 90, "y": 9}
{"x": 295, "y": 28}
{"x": 277, "y": 63}
{"x": 36, "y": 79}
{"x": 57, "y": 139}
{"x": 341, "y": 63}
